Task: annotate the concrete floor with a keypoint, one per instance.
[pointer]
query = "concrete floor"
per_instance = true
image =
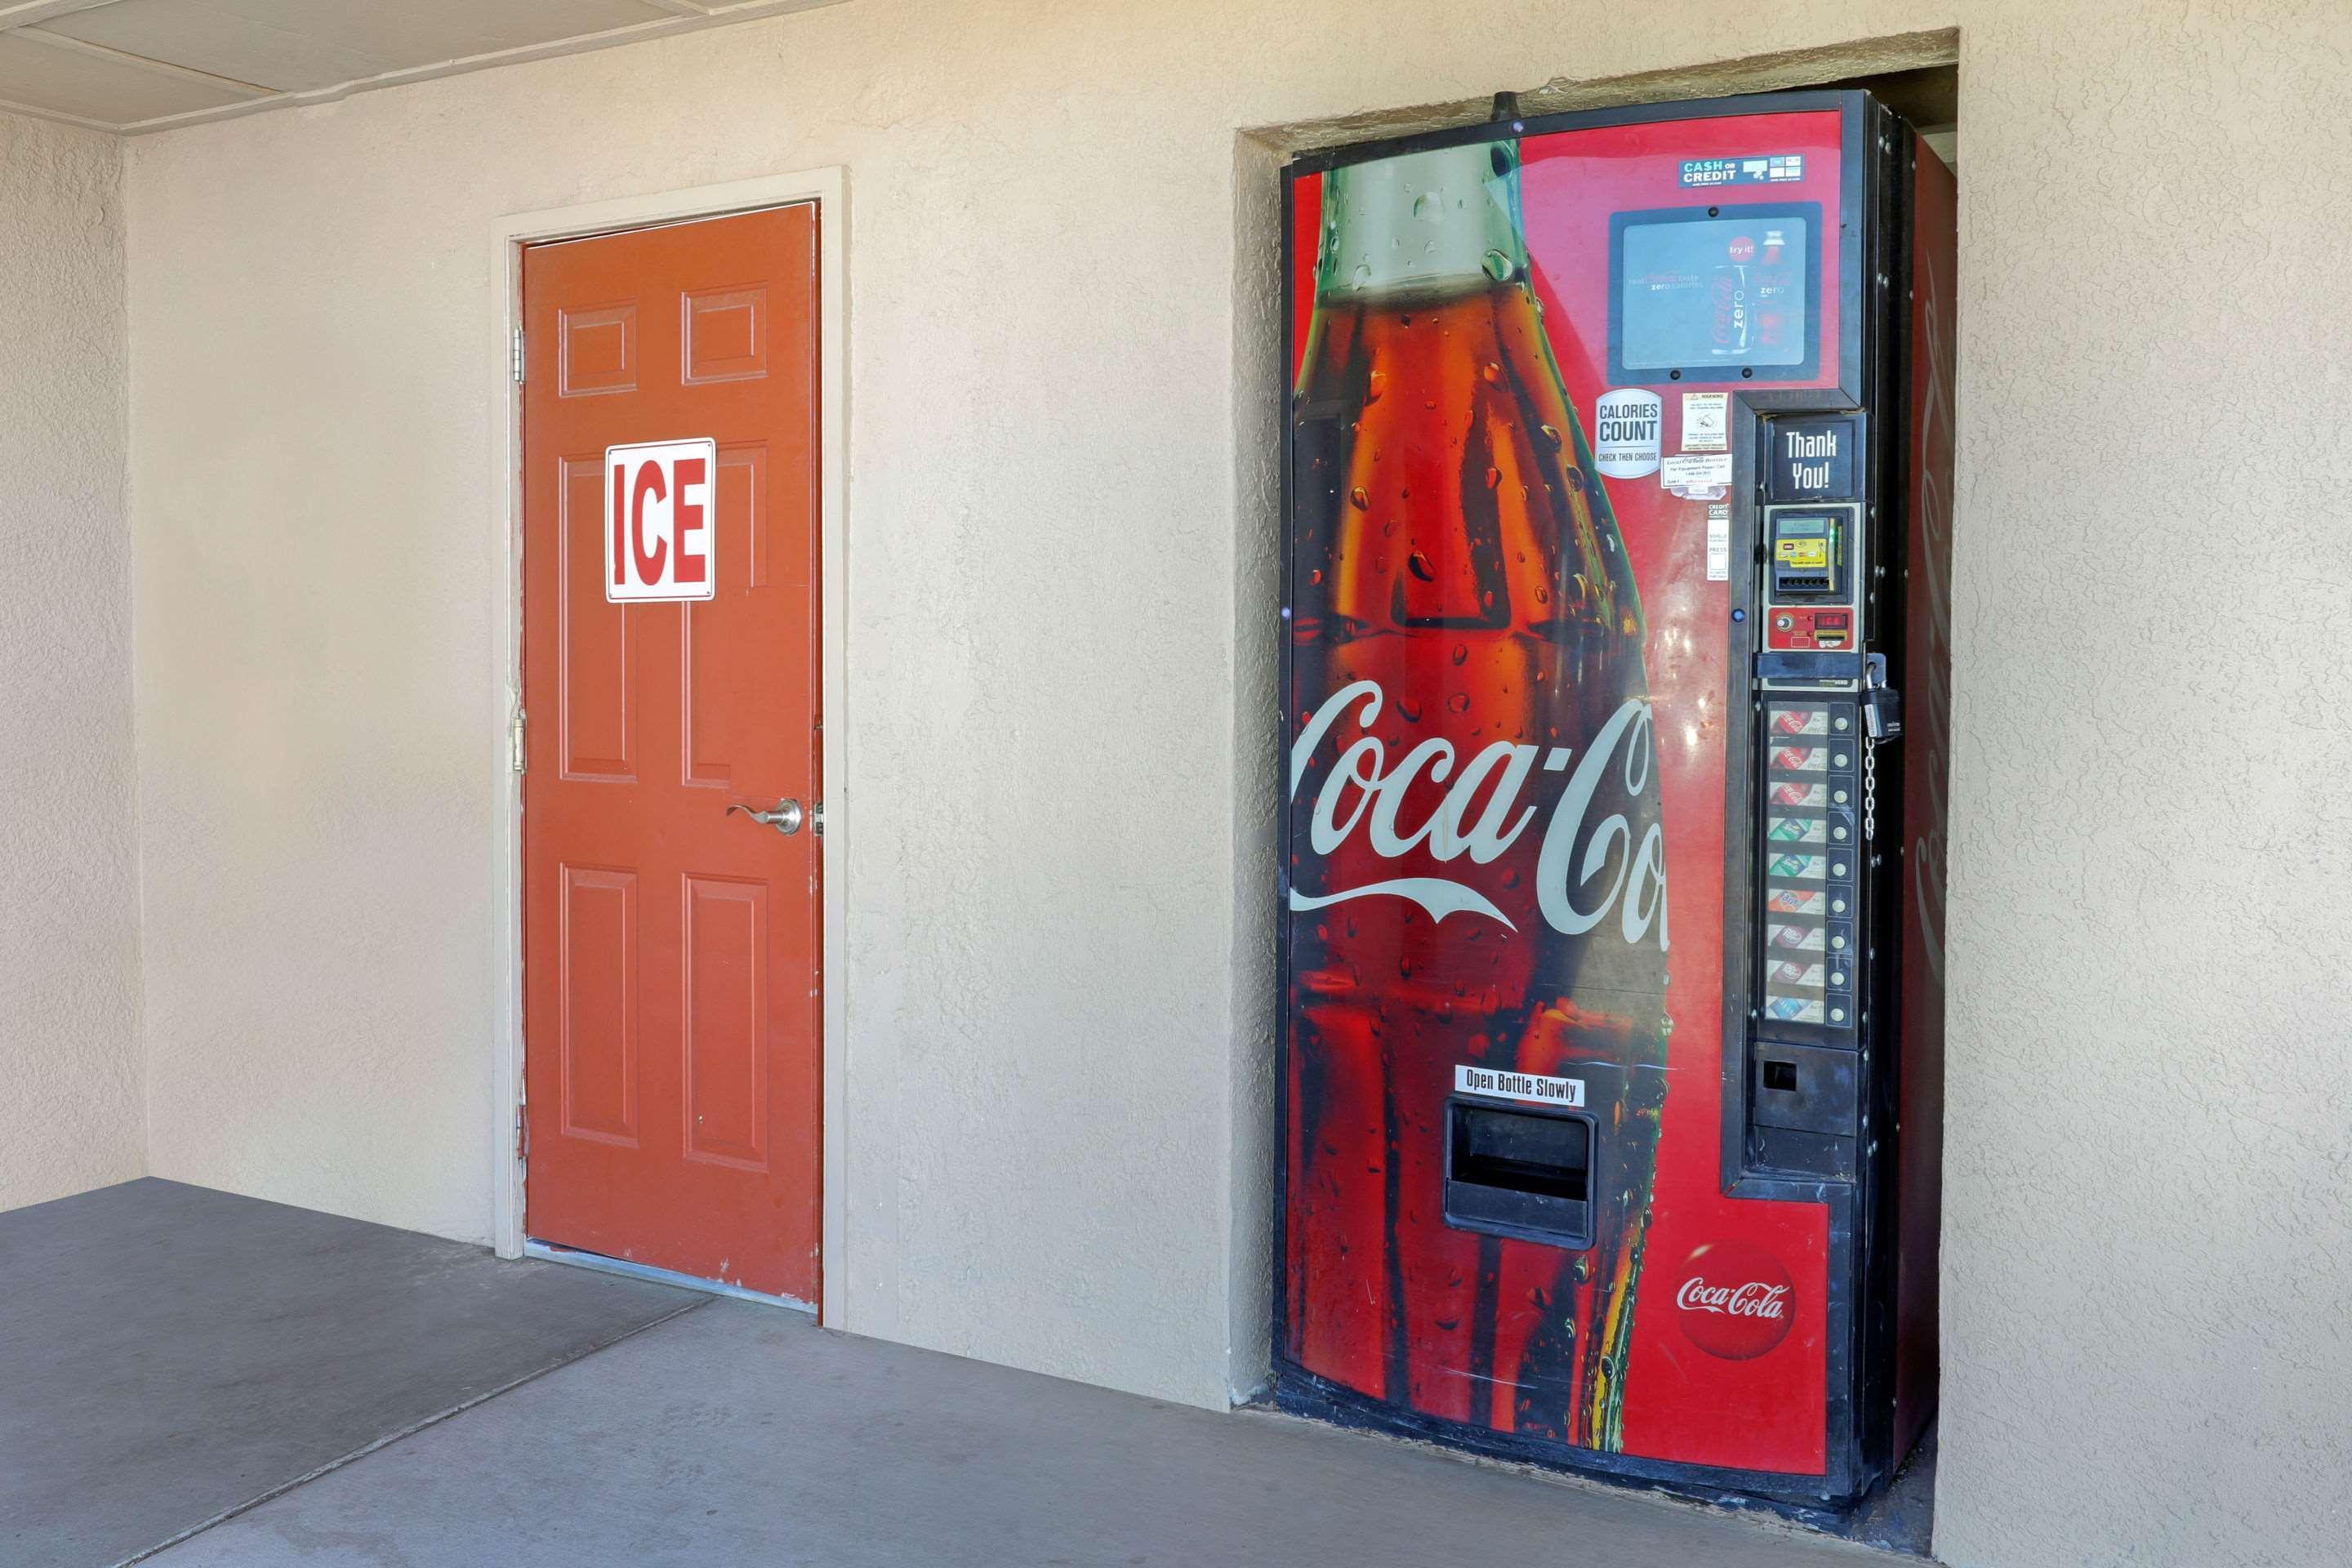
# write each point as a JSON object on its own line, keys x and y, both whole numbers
{"x": 734, "y": 1433}
{"x": 169, "y": 1354}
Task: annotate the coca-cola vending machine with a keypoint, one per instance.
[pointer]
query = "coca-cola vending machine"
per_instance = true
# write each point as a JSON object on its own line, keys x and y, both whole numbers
{"x": 1617, "y": 514}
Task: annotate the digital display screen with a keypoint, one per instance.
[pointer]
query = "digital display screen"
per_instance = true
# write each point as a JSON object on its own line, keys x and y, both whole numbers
{"x": 1733, "y": 291}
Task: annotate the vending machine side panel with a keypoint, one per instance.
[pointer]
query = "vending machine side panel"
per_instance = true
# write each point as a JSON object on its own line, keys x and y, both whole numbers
{"x": 1927, "y": 683}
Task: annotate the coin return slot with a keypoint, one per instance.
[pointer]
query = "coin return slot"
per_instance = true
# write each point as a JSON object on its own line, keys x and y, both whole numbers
{"x": 1809, "y": 1089}
{"x": 1519, "y": 1173}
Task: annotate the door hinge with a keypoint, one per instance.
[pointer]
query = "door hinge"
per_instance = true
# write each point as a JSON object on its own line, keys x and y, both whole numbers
{"x": 519, "y": 744}
{"x": 518, "y": 356}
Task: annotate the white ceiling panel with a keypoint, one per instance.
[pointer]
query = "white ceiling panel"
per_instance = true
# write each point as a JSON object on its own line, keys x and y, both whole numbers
{"x": 248, "y": 40}
{"x": 143, "y": 65}
{"x": 296, "y": 46}
{"x": 93, "y": 87}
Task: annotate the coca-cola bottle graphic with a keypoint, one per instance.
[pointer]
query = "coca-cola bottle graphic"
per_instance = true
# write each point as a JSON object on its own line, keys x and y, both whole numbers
{"x": 1477, "y": 871}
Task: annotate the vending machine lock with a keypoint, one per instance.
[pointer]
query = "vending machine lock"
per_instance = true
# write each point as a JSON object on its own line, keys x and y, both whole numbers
{"x": 1882, "y": 705}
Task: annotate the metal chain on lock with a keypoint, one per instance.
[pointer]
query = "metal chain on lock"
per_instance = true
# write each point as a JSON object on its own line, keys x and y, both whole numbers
{"x": 1869, "y": 789}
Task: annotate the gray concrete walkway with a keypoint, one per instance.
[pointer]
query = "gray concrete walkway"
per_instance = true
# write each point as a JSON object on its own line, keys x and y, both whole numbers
{"x": 202, "y": 1381}
{"x": 170, "y": 1353}
{"x": 738, "y": 1435}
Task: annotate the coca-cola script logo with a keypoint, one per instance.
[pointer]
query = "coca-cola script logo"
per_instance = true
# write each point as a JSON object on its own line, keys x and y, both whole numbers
{"x": 1589, "y": 863}
{"x": 1734, "y": 1300}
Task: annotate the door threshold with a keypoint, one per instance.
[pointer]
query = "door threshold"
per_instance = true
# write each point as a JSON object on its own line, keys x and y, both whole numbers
{"x": 551, "y": 1252}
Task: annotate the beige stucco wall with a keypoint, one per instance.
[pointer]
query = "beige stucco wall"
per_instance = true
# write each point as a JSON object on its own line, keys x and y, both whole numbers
{"x": 70, "y": 1110}
{"x": 1057, "y": 632}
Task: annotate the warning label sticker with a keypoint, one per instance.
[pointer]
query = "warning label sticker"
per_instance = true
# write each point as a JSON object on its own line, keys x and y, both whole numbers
{"x": 1495, "y": 1085}
{"x": 1706, "y": 422}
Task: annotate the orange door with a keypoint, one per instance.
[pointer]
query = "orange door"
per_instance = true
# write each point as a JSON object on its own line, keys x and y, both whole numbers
{"x": 671, "y": 972}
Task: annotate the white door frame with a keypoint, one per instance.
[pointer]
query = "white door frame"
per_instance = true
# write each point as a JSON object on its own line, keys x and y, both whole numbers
{"x": 828, "y": 188}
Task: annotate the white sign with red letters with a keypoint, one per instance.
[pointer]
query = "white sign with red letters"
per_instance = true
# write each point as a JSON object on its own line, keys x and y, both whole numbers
{"x": 658, "y": 530}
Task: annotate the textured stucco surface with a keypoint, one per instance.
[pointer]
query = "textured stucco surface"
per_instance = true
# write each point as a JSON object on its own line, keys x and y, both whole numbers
{"x": 1057, "y": 552}
{"x": 71, "y": 1114}
{"x": 2148, "y": 1163}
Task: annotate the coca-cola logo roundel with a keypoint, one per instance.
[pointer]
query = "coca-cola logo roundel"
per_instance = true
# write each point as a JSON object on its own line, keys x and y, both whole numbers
{"x": 1733, "y": 1299}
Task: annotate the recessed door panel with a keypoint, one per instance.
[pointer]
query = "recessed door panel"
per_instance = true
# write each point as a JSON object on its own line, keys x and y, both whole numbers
{"x": 597, "y": 1032}
{"x": 593, "y": 656}
{"x": 726, "y": 1021}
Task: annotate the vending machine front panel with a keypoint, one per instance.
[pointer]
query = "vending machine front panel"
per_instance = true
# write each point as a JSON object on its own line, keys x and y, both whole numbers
{"x": 1582, "y": 556}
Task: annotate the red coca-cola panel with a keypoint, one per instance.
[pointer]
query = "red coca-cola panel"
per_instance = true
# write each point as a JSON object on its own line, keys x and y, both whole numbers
{"x": 1507, "y": 762}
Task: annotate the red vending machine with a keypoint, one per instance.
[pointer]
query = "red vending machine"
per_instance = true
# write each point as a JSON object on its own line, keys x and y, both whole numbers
{"x": 1616, "y": 519}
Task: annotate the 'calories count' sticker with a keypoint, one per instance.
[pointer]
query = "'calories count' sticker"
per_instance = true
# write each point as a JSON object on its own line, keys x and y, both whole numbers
{"x": 1733, "y": 1299}
{"x": 1625, "y": 423}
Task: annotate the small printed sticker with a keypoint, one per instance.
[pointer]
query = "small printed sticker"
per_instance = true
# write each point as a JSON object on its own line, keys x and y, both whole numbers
{"x": 1625, "y": 433}
{"x": 1719, "y": 541}
{"x": 1495, "y": 1085}
{"x": 1687, "y": 471}
{"x": 1706, "y": 422}
{"x": 1770, "y": 170}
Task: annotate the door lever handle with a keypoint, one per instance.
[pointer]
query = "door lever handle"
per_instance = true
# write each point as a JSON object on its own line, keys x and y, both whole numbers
{"x": 785, "y": 819}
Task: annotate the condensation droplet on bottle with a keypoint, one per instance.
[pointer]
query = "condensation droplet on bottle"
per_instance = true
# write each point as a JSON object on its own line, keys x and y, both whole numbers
{"x": 1493, "y": 477}
{"x": 1361, "y": 502}
{"x": 1419, "y": 565}
{"x": 1500, "y": 155}
{"x": 1550, "y": 433}
{"x": 1499, "y": 267}
{"x": 1461, "y": 653}
{"x": 1583, "y": 1269}
{"x": 1428, "y": 207}
{"x": 1458, "y": 703}
{"x": 1375, "y": 384}
{"x": 1364, "y": 273}
{"x": 1492, "y": 371}
{"x": 1316, "y": 575}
